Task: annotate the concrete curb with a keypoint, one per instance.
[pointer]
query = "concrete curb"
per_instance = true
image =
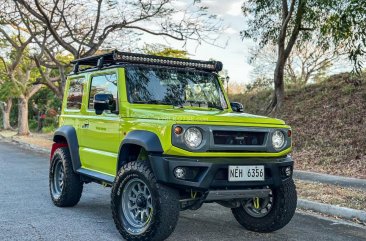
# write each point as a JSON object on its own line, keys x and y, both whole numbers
{"x": 347, "y": 213}
{"x": 330, "y": 179}
{"x": 24, "y": 145}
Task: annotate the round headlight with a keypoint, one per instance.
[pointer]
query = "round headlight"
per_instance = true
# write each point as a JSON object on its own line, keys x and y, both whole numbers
{"x": 278, "y": 139}
{"x": 193, "y": 137}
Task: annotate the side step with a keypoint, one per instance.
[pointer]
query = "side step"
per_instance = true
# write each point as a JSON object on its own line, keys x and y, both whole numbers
{"x": 218, "y": 195}
{"x": 96, "y": 176}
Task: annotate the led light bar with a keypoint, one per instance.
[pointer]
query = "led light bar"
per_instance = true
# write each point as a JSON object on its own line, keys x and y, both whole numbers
{"x": 118, "y": 58}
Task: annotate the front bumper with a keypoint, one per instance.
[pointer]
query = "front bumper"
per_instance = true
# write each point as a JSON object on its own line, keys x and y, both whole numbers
{"x": 213, "y": 172}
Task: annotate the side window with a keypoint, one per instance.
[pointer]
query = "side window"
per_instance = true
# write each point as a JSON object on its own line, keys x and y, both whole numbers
{"x": 75, "y": 94}
{"x": 104, "y": 84}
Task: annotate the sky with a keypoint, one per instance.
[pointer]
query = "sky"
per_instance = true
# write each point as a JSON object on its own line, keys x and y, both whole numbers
{"x": 235, "y": 54}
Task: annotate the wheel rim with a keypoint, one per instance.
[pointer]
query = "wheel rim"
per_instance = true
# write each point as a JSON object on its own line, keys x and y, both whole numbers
{"x": 58, "y": 179}
{"x": 137, "y": 206}
{"x": 259, "y": 207}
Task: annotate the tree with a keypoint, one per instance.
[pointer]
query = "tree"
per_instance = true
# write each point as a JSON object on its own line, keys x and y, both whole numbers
{"x": 19, "y": 68}
{"x": 282, "y": 23}
{"x": 6, "y": 102}
{"x": 163, "y": 50}
{"x": 81, "y": 28}
{"x": 305, "y": 61}
{"x": 6, "y": 89}
{"x": 272, "y": 21}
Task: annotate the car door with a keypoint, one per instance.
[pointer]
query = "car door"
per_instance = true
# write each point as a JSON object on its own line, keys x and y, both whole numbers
{"x": 99, "y": 135}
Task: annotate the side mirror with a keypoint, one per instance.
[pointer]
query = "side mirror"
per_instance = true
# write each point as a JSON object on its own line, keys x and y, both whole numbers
{"x": 237, "y": 107}
{"x": 102, "y": 102}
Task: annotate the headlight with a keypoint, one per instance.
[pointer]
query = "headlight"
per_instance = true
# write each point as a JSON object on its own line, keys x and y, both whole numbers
{"x": 193, "y": 137}
{"x": 278, "y": 139}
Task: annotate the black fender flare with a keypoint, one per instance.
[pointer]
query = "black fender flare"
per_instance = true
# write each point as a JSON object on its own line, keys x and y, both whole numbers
{"x": 68, "y": 133}
{"x": 146, "y": 139}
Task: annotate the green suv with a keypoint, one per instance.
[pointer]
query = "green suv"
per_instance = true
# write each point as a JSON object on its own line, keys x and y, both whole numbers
{"x": 160, "y": 131}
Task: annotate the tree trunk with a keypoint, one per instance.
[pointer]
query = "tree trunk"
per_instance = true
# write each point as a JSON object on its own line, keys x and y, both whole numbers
{"x": 23, "y": 128}
{"x": 279, "y": 87}
{"x": 5, "y": 109}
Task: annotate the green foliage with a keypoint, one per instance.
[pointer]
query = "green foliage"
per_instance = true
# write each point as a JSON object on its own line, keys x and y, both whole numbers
{"x": 341, "y": 23}
{"x": 163, "y": 50}
{"x": 7, "y": 90}
{"x": 33, "y": 124}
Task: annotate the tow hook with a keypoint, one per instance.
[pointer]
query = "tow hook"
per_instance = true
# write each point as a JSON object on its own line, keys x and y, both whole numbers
{"x": 256, "y": 202}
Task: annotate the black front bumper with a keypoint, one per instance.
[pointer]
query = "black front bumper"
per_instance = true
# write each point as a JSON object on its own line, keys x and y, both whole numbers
{"x": 212, "y": 172}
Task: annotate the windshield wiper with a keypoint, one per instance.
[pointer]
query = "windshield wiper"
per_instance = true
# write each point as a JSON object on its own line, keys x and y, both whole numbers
{"x": 216, "y": 107}
{"x": 202, "y": 104}
{"x": 152, "y": 102}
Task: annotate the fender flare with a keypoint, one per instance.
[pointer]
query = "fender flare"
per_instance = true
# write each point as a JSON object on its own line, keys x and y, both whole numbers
{"x": 146, "y": 139}
{"x": 68, "y": 133}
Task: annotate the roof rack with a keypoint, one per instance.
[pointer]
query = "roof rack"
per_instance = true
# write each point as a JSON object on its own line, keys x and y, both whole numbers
{"x": 116, "y": 58}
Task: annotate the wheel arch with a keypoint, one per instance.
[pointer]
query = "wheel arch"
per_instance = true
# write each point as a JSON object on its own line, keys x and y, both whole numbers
{"x": 134, "y": 143}
{"x": 66, "y": 136}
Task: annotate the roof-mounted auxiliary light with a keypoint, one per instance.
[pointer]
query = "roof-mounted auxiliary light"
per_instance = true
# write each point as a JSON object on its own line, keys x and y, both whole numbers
{"x": 117, "y": 58}
{"x": 140, "y": 58}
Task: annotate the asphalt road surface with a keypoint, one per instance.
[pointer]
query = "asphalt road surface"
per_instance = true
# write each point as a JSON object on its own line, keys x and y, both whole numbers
{"x": 27, "y": 213}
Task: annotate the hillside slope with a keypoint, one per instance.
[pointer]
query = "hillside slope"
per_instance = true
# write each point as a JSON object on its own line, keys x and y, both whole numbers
{"x": 328, "y": 122}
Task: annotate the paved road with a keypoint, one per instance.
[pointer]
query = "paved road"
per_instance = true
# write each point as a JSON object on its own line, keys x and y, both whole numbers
{"x": 26, "y": 212}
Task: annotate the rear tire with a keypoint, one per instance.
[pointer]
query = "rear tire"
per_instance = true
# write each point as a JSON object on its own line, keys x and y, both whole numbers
{"x": 65, "y": 185}
{"x": 280, "y": 213}
{"x": 142, "y": 208}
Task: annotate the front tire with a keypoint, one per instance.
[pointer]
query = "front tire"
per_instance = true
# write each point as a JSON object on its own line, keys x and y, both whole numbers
{"x": 268, "y": 214}
{"x": 142, "y": 208}
{"x": 64, "y": 184}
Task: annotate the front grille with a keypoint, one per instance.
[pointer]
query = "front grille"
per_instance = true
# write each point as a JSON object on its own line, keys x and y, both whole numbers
{"x": 238, "y": 138}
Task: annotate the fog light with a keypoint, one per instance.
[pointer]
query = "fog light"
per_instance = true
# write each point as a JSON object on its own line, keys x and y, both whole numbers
{"x": 180, "y": 172}
{"x": 288, "y": 171}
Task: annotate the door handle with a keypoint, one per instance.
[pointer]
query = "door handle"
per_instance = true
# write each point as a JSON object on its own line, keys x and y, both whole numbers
{"x": 86, "y": 125}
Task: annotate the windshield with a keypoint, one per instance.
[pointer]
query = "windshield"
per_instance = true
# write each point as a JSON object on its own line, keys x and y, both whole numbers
{"x": 178, "y": 87}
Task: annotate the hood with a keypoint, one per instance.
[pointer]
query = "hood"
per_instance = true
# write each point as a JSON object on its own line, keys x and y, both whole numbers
{"x": 201, "y": 115}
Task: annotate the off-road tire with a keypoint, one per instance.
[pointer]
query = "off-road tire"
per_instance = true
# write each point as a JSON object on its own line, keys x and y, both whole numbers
{"x": 165, "y": 201}
{"x": 72, "y": 185}
{"x": 283, "y": 209}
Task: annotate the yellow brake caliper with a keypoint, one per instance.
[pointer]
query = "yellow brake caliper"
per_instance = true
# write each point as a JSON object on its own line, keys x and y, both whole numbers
{"x": 256, "y": 202}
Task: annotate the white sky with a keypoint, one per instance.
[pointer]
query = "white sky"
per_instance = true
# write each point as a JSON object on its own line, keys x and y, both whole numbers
{"x": 235, "y": 55}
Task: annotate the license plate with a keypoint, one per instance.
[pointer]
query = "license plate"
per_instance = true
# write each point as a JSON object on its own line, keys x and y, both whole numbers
{"x": 246, "y": 173}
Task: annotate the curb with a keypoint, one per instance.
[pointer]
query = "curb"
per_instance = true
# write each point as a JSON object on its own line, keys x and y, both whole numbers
{"x": 24, "y": 145}
{"x": 330, "y": 179}
{"x": 347, "y": 213}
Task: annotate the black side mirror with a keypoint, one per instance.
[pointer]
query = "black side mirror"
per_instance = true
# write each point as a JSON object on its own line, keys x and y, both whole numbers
{"x": 102, "y": 102}
{"x": 237, "y": 107}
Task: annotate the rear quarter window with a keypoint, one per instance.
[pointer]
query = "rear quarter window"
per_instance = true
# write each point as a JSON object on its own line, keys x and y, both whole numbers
{"x": 75, "y": 94}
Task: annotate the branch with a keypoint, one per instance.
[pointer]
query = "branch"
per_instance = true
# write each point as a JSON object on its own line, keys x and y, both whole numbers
{"x": 45, "y": 19}
{"x": 47, "y": 82}
{"x": 9, "y": 39}
{"x": 96, "y": 24}
{"x": 34, "y": 90}
{"x": 154, "y": 33}
{"x": 285, "y": 21}
{"x": 296, "y": 30}
{"x": 5, "y": 66}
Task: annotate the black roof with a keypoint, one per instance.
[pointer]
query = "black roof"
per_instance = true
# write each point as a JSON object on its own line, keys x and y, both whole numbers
{"x": 118, "y": 58}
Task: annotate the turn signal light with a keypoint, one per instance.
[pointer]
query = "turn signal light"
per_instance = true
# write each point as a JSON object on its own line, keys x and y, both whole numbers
{"x": 289, "y": 133}
{"x": 178, "y": 130}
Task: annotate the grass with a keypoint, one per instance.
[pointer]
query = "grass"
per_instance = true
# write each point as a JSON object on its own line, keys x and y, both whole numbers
{"x": 331, "y": 194}
{"x": 328, "y": 121}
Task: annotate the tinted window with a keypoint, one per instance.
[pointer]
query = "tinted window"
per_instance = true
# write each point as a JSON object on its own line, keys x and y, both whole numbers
{"x": 103, "y": 84}
{"x": 75, "y": 94}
